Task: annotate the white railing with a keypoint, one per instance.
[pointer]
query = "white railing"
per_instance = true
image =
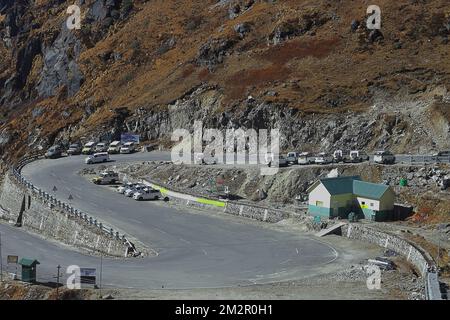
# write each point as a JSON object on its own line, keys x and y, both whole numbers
{"x": 65, "y": 207}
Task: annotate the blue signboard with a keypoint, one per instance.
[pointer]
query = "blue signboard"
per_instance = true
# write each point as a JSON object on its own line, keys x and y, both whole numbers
{"x": 129, "y": 137}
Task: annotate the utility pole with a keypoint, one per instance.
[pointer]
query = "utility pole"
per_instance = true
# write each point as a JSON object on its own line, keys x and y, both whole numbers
{"x": 1, "y": 260}
{"x": 101, "y": 272}
{"x": 57, "y": 283}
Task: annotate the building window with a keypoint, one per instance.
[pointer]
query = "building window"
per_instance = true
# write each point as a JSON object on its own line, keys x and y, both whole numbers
{"x": 371, "y": 204}
{"x": 363, "y": 203}
{"x": 319, "y": 203}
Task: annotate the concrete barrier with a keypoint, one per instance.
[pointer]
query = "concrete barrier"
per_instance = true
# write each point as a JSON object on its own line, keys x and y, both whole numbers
{"x": 230, "y": 207}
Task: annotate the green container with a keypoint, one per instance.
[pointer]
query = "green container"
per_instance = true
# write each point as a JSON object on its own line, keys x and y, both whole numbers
{"x": 403, "y": 182}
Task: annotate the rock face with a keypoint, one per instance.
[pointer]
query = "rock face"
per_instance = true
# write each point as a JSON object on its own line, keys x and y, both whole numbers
{"x": 260, "y": 64}
{"x": 60, "y": 66}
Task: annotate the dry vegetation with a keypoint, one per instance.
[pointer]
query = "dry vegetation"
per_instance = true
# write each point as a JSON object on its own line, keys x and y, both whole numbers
{"x": 320, "y": 63}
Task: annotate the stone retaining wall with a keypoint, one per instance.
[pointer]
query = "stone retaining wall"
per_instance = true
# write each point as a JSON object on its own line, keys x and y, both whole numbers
{"x": 45, "y": 219}
{"x": 418, "y": 257}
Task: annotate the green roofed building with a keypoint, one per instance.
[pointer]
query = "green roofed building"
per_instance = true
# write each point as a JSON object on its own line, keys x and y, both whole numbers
{"x": 337, "y": 197}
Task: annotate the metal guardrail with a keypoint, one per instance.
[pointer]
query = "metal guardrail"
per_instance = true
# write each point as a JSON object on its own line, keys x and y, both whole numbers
{"x": 73, "y": 212}
{"x": 421, "y": 159}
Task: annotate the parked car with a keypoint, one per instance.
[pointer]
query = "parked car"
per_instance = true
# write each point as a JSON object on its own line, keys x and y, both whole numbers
{"x": 323, "y": 158}
{"x": 88, "y": 148}
{"x": 121, "y": 189}
{"x": 306, "y": 158}
{"x": 106, "y": 177}
{"x": 74, "y": 149}
{"x": 128, "y": 147}
{"x": 97, "y": 158}
{"x": 384, "y": 157}
{"x": 292, "y": 157}
{"x": 101, "y": 147}
{"x": 54, "y": 152}
{"x": 137, "y": 188}
{"x": 147, "y": 194}
{"x": 114, "y": 147}
{"x": 356, "y": 156}
{"x": 282, "y": 162}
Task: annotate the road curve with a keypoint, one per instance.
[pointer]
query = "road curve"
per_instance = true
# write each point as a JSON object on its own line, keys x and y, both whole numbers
{"x": 194, "y": 250}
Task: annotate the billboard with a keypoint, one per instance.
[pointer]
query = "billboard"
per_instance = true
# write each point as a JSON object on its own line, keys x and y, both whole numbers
{"x": 88, "y": 275}
{"x": 129, "y": 137}
{"x": 13, "y": 259}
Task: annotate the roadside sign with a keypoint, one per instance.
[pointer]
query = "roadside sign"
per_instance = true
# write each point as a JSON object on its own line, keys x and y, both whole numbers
{"x": 88, "y": 275}
{"x": 13, "y": 259}
{"x": 129, "y": 137}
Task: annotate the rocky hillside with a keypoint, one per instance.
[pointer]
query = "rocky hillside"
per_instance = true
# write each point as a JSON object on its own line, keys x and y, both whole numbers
{"x": 310, "y": 68}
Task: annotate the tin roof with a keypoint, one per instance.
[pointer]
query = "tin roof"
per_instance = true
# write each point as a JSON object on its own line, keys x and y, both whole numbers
{"x": 28, "y": 262}
{"x": 352, "y": 184}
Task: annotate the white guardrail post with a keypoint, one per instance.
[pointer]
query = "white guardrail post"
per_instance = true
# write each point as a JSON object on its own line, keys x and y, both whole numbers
{"x": 16, "y": 173}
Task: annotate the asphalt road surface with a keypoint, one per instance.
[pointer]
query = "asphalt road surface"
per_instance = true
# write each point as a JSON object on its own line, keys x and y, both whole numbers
{"x": 194, "y": 250}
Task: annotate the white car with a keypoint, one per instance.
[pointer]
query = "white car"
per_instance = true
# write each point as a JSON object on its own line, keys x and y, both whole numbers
{"x": 128, "y": 147}
{"x": 147, "y": 194}
{"x": 384, "y": 157}
{"x": 323, "y": 158}
{"x": 137, "y": 188}
{"x": 125, "y": 187}
{"x": 306, "y": 158}
{"x": 97, "y": 158}
{"x": 292, "y": 157}
{"x": 114, "y": 147}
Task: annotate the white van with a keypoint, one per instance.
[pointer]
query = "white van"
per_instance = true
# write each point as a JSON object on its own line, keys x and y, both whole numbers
{"x": 128, "y": 147}
{"x": 306, "y": 158}
{"x": 88, "y": 148}
{"x": 114, "y": 147}
{"x": 97, "y": 158}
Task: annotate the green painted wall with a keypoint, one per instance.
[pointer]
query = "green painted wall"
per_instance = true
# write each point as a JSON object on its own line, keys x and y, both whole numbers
{"x": 319, "y": 211}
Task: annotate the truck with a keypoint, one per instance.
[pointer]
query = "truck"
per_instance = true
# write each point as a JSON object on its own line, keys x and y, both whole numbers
{"x": 292, "y": 157}
{"x": 384, "y": 157}
{"x": 106, "y": 177}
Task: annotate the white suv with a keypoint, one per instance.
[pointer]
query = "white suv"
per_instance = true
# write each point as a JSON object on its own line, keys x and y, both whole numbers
{"x": 147, "y": 194}
{"x": 97, "y": 158}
